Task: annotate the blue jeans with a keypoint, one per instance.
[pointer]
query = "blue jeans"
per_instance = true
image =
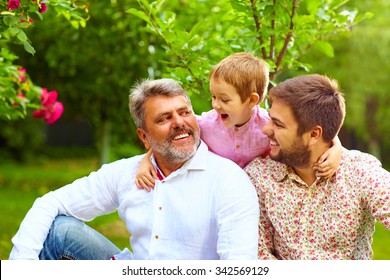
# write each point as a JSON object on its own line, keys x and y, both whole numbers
{"x": 71, "y": 239}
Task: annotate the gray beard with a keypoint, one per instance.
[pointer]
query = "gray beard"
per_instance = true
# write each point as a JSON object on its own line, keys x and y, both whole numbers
{"x": 172, "y": 154}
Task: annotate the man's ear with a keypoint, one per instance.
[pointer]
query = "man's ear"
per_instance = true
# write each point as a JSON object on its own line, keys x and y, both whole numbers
{"x": 142, "y": 135}
{"x": 315, "y": 135}
{"x": 254, "y": 99}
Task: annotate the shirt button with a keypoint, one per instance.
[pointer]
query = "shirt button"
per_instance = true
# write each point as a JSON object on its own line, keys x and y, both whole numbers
{"x": 156, "y": 236}
{"x": 236, "y": 129}
{"x": 160, "y": 208}
{"x": 237, "y": 146}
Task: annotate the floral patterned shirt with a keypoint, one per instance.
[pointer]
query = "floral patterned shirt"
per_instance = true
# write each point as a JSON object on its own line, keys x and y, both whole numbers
{"x": 331, "y": 219}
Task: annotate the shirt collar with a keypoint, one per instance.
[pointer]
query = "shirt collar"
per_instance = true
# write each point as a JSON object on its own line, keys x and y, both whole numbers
{"x": 281, "y": 171}
{"x": 197, "y": 162}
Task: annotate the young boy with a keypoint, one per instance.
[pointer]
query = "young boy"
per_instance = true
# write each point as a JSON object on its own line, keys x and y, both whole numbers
{"x": 233, "y": 129}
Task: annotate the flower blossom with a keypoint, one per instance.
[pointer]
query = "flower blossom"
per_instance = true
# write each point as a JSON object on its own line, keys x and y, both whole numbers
{"x": 22, "y": 75}
{"x": 43, "y": 8}
{"x": 13, "y": 4}
{"x": 52, "y": 109}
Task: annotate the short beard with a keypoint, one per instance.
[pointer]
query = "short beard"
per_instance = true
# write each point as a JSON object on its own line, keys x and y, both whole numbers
{"x": 297, "y": 156}
{"x": 170, "y": 153}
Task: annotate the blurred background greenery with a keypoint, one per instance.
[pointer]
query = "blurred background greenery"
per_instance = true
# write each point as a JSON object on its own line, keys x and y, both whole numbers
{"x": 93, "y": 68}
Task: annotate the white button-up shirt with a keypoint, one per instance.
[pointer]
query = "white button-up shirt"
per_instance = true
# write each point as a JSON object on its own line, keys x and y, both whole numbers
{"x": 207, "y": 209}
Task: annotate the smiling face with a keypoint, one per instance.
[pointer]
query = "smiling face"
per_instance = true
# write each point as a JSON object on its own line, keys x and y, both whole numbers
{"x": 286, "y": 145}
{"x": 228, "y": 104}
{"x": 171, "y": 131}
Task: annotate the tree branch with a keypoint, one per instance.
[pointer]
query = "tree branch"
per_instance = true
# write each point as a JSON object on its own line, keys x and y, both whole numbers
{"x": 177, "y": 55}
{"x": 289, "y": 35}
{"x": 258, "y": 29}
{"x": 272, "y": 41}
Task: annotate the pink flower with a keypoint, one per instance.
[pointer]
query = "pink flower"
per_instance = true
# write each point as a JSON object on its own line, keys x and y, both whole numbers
{"x": 52, "y": 109}
{"x": 22, "y": 75}
{"x": 48, "y": 98}
{"x": 42, "y": 8}
{"x": 13, "y": 4}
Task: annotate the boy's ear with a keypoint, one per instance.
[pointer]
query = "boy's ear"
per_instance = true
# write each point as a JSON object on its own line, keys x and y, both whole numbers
{"x": 142, "y": 135}
{"x": 254, "y": 99}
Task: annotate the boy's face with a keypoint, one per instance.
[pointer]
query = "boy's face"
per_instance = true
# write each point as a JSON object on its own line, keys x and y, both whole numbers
{"x": 227, "y": 102}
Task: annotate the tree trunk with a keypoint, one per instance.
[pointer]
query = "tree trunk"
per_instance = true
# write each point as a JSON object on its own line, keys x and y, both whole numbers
{"x": 105, "y": 143}
{"x": 374, "y": 148}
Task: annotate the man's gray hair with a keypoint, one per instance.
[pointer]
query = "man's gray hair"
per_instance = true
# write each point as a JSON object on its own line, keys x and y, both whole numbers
{"x": 150, "y": 88}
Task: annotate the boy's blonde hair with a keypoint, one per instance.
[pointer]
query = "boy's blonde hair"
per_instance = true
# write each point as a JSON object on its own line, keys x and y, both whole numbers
{"x": 245, "y": 72}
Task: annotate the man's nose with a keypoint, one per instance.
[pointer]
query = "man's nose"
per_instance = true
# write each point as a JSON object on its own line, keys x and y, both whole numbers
{"x": 267, "y": 128}
{"x": 178, "y": 120}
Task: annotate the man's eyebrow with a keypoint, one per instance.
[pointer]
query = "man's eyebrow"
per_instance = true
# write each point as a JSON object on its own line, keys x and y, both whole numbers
{"x": 158, "y": 116}
{"x": 184, "y": 108}
{"x": 275, "y": 119}
{"x": 167, "y": 113}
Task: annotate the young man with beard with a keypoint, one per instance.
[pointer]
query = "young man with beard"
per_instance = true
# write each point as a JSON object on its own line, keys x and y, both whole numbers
{"x": 203, "y": 206}
{"x": 304, "y": 216}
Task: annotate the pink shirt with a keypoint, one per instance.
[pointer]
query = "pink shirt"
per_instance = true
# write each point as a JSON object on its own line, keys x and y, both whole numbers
{"x": 331, "y": 219}
{"x": 239, "y": 144}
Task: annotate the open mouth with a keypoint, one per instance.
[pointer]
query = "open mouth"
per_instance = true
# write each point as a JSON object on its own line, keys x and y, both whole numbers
{"x": 181, "y": 136}
{"x": 273, "y": 143}
{"x": 224, "y": 116}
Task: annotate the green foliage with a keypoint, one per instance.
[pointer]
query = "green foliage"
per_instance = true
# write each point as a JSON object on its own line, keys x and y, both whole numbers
{"x": 362, "y": 66}
{"x": 124, "y": 41}
{"x": 93, "y": 68}
{"x": 14, "y": 82}
{"x": 17, "y": 93}
{"x": 278, "y": 31}
{"x": 22, "y": 139}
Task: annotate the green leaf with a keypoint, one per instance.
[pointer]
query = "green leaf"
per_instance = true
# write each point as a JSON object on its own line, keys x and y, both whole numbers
{"x": 325, "y": 47}
{"x": 13, "y": 31}
{"x": 22, "y": 36}
{"x": 24, "y": 24}
{"x": 10, "y": 20}
{"x": 139, "y": 14}
{"x": 312, "y": 6}
{"x": 28, "y": 48}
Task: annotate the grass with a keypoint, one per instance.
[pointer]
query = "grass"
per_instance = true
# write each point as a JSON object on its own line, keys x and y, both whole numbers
{"x": 20, "y": 185}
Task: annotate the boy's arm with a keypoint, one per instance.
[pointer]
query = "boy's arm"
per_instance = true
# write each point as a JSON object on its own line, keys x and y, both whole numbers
{"x": 329, "y": 161}
{"x": 144, "y": 179}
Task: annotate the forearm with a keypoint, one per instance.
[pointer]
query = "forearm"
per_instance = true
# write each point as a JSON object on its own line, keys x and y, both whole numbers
{"x": 34, "y": 228}
{"x": 84, "y": 199}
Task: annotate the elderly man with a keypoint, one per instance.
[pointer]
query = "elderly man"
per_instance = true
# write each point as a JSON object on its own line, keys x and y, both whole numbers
{"x": 304, "y": 216}
{"x": 203, "y": 206}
